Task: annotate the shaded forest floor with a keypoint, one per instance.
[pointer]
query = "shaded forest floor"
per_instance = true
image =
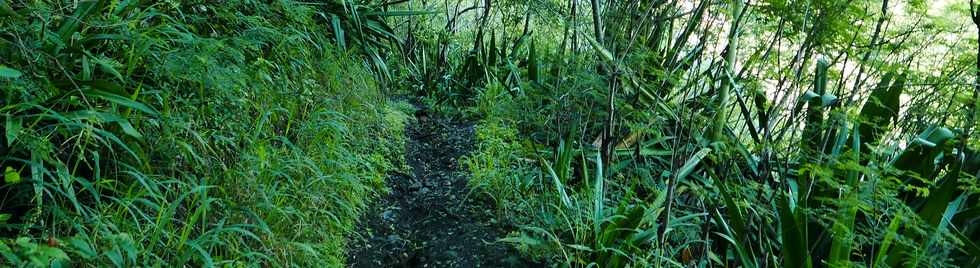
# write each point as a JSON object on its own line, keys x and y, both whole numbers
{"x": 428, "y": 219}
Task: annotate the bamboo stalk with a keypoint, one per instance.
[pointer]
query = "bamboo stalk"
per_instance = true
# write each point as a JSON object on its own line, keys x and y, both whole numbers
{"x": 721, "y": 118}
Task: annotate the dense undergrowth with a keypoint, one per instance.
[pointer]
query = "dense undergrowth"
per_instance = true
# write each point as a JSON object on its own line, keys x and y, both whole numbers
{"x": 717, "y": 133}
{"x": 187, "y": 133}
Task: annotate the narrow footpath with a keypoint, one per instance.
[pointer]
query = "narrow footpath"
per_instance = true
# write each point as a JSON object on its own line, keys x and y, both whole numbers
{"x": 427, "y": 221}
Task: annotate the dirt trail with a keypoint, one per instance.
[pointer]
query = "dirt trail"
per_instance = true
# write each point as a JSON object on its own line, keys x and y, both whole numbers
{"x": 427, "y": 221}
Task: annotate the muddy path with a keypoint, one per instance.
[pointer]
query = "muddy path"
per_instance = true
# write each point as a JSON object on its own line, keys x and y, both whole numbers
{"x": 427, "y": 220}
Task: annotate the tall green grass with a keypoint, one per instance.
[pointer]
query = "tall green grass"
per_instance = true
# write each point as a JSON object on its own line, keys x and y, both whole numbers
{"x": 186, "y": 133}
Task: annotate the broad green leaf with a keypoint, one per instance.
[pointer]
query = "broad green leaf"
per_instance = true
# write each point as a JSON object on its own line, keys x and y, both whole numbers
{"x": 692, "y": 163}
{"x": 606, "y": 55}
{"x": 129, "y": 129}
{"x": 936, "y": 137}
{"x": 558, "y": 184}
{"x": 939, "y": 197}
{"x": 881, "y": 108}
{"x": 11, "y": 176}
{"x": 382, "y": 30}
{"x": 794, "y": 248}
{"x": 919, "y": 156}
{"x": 108, "y": 65}
{"x": 338, "y": 31}
{"x": 814, "y": 124}
{"x": 889, "y": 238}
{"x": 827, "y": 100}
{"x": 13, "y": 125}
{"x": 809, "y": 95}
{"x": 120, "y": 100}
{"x": 7, "y": 72}
{"x": 86, "y": 73}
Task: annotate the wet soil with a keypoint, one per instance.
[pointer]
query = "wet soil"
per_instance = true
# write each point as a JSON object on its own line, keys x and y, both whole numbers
{"x": 427, "y": 220}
